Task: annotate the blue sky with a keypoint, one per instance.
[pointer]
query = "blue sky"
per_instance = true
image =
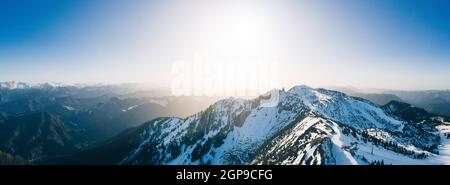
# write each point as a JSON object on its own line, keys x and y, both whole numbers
{"x": 398, "y": 44}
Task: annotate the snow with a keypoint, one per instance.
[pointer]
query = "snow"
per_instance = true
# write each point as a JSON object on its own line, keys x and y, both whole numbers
{"x": 444, "y": 147}
{"x": 258, "y": 126}
{"x": 69, "y": 108}
{"x": 163, "y": 103}
{"x": 13, "y": 85}
{"x": 261, "y": 124}
{"x": 130, "y": 108}
{"x": 369, "y": 151}
{"x": 299, "y": 130}
{"x": 341, "y": 156}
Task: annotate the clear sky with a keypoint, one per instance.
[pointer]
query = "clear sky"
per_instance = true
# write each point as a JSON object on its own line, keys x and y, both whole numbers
{"x": 396, "y": 44}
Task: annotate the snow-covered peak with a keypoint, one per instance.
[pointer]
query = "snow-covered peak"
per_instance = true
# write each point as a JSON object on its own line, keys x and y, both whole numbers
{"x": 51, "y": 85}
{"x": 23, "y": 85}
{"x": 300, "y": 88}
{"x": 309, "y": 95}
{"x": 13, "y": 85}
{"x": 313, "y": 93}
{"x": 232, "y": 104}
{"x": 355, "y": 112}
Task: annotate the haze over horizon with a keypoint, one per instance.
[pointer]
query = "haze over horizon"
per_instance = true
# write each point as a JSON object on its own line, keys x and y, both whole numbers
{"x": 364, "y": 44}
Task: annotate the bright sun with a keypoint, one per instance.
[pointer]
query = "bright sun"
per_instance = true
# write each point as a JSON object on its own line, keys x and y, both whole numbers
{"x": 240, "y": 33}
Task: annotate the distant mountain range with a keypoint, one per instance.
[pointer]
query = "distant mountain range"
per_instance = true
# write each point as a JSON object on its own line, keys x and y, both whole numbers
{"x": 39, "y": 122}
{"x": 434, "y": 101}
{"x": 13, "y": 85}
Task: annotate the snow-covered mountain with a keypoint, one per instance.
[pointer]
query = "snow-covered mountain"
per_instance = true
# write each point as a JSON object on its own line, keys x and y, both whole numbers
{"x": 306, "y": 126}
{"x": 13, "y": 85}
{"x": 22, "y": 85}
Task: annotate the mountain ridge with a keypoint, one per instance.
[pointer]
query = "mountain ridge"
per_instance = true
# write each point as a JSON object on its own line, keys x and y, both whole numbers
{"x": 331, "y": 128}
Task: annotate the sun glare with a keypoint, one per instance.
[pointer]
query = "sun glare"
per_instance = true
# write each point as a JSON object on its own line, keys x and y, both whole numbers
{"x": 242, "y": 33}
